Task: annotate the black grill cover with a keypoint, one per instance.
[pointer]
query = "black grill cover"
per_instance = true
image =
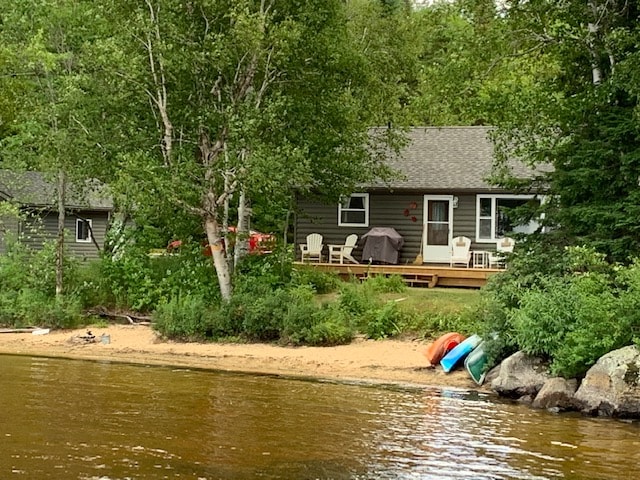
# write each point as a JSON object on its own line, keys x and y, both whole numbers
{"x": 381, "y": 244}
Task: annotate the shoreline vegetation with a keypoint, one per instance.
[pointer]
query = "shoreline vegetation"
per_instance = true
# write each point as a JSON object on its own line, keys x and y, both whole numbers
{"x": 394, "y": 362}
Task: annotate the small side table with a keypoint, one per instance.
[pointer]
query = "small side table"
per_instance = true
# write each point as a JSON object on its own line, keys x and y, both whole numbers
{"x": 335, "y": 251}
{"x": 480, "y": 258}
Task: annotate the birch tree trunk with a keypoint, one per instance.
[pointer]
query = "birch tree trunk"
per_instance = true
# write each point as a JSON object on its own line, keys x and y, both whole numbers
{"x": 242, "y": 232}
{"x": 212, "y": 204}
{"x": 218, "y": 255}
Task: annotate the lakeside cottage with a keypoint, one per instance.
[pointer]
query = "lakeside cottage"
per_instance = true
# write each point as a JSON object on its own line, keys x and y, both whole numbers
{"x": 87, "y": 216}
{"x": 442, "y": 193}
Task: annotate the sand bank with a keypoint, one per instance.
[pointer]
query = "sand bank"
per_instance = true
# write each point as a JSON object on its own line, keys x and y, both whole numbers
{"x": 381, "y": 361}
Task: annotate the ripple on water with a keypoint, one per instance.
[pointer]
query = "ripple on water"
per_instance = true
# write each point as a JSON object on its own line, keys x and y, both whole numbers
{"x": 101, "y": 421}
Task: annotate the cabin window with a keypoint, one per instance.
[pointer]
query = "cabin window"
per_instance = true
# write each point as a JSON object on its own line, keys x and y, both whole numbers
{"x": 493, "y": 220}
{"x": 353, "y": 211}
{"x": 83, "y": 230}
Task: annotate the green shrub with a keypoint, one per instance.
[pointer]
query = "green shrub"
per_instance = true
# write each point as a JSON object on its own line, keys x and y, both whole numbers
{"x": 275, "y": 268}
{"x": 383, "y": 284}
{"x": 184, "y": 317}
{"x": 329, "y": 332}
{"x": 321, "y": 282}
{"x": 137, "y": 281}
{"x": 356, "y": 301}
{"x": 308, "y": 323}
{"x": 27, "y": 288}
{"x": 25, "y": 268}
{"x": 32, "y": 308}
{"x": 383, "y": 322}
{"x": 573, "y": 310}
{"x": 86, "y": 285}
{"x": 300, "y": 316}
{"x": 545, "y": 316}
{"x": 263, "y": 316}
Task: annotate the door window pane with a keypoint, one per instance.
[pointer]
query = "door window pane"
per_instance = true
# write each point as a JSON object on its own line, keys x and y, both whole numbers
{"x": 438, "y": 211}
{"x": 438, "y": 234}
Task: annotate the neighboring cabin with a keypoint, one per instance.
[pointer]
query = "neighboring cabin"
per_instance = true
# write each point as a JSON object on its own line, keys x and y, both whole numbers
{"x": 444, "y": 189}
{"x": 87, "y": 216}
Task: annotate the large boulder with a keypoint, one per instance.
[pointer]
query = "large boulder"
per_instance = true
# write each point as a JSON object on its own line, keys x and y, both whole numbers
{"x": 612, "y": 386}
{"x": 520, "y": 375}
{"x": 556, "y": 394}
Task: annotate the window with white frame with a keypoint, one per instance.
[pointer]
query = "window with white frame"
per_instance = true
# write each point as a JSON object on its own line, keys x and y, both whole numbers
{"x": 493, "y": 220}
{"x": 353, "y": 211}
{"x": 83, "y": 230}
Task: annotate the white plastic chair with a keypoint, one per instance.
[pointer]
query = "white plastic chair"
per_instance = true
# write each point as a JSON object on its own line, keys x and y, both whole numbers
{"x": 461, "y": 251}
{"x": 343, "y": 252}
{"x": 312, "y": 250}
{"x": 503, "y": 246}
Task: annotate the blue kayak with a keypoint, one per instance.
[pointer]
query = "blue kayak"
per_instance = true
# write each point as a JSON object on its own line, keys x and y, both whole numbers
{"x": 458, "y": 353}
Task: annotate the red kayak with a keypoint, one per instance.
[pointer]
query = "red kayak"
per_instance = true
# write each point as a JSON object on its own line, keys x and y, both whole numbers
{"x": 439, "y": 348}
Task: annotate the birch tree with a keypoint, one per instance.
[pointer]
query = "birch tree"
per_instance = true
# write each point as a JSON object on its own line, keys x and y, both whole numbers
{"x": 249, "y": 98}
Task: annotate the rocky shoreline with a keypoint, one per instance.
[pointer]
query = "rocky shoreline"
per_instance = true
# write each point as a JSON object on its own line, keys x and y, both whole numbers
{"x": 610, "y": 388}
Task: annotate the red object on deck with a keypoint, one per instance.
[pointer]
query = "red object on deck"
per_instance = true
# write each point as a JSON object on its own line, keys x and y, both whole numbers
{"x": 439, "y": 348}
{"x": 258, "y": 242}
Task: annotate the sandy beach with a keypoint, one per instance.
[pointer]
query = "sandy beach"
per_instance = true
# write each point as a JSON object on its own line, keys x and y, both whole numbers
{"x": 399, "y": 362}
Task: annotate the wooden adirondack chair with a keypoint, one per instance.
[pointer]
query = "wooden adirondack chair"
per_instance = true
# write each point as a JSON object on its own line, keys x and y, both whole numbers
{"x": 460, "y": 251}
{"x": 504, "y": 245}
{"x": 343, "y": 252}
{"x": 312, "y": 250}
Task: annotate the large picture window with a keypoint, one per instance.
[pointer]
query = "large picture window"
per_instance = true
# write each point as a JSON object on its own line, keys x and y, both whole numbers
{"x": 493, "y": 220}
{"x": 353, "y": 211}
{"x": 83, "y": 230}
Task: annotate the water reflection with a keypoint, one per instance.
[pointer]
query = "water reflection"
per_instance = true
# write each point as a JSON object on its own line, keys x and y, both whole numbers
{"x": 69, "y": 419}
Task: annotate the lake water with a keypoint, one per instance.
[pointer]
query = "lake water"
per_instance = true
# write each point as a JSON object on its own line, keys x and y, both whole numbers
{"x": 66, "y": 419}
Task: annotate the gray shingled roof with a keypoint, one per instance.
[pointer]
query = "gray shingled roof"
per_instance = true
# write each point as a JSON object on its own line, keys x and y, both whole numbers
{"x": 34, "y": 189}
{"x": 441, "y": 159}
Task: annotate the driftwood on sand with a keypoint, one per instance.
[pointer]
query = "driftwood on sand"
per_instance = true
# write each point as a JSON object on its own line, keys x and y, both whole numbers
{"x": 131, "y": 318}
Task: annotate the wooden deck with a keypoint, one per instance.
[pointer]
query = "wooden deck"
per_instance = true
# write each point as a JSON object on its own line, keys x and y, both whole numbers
{"x": 415, "y": 275}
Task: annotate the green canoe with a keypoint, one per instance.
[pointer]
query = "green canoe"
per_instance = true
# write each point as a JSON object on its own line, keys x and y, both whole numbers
{"x": 475, "y": 363}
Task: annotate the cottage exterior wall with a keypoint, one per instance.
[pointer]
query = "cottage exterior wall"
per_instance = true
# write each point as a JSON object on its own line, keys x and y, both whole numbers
{"x": 385, "y": 210}
{"x": 38, "y": 230}
{"x": 8, "y": 225}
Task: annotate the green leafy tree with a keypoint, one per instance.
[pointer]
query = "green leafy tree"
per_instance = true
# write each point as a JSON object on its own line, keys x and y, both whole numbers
{"x": 248, "y": 99}
{"x": 46, "y": 46}
{"x": 582, "y": 119}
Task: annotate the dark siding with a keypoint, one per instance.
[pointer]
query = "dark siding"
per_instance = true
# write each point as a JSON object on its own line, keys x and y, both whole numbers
{"x": 45, "y": 228}
{"x": 8, "y": 224}
{"x": 385, "y": 210}
{"x": 464, "y": 220}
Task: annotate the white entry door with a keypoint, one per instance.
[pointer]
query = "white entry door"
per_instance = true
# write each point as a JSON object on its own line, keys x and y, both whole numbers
{"x": 438, "y": 228}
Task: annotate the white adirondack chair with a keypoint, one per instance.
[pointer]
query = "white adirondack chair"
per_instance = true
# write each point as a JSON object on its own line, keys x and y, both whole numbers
{"x": 460, "y": 251}
{"x": 504, "y": 245}
{"x": 312, "y": 250}
{"x": 343, "y": 252}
